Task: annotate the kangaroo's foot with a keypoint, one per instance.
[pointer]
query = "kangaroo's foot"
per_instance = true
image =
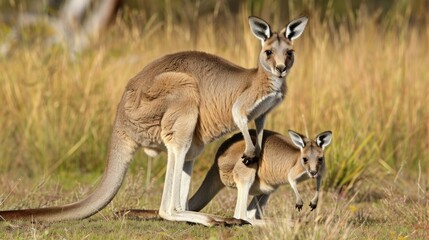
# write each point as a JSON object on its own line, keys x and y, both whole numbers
{"x": 230, "y": 222}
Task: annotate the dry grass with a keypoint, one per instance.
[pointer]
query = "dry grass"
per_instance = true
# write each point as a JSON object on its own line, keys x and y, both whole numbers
{"x": 397, "y": 213}
{"x": 365, "y": 81}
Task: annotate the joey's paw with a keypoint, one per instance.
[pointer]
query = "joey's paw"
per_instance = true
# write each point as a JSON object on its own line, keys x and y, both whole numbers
{"x": 313, "y": 206}
{"x": 248, "y": 160}
{"x": 298, "y": 206}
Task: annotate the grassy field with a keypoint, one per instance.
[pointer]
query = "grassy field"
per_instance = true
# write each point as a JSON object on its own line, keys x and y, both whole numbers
{"x": 364, "y": 78}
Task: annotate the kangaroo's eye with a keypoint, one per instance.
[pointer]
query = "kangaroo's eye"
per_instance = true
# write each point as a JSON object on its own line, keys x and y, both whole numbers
{"x": 321, "y": 159}
{"x": 289, "y": 53}
{"x": 268, "y": 52}
{"x": 305, "y": 160}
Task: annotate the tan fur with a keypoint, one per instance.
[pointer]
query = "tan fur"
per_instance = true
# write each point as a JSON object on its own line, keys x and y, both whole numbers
{"x": 202, "y": 78}
{"x": 281, "y": 161}
{"x": 179, "y": 103}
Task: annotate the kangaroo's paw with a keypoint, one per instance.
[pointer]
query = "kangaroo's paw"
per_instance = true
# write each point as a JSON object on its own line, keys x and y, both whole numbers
{"x": 249, "y": 159}
{"x": 298, "y": 206}
{"x": 313, "y": 206}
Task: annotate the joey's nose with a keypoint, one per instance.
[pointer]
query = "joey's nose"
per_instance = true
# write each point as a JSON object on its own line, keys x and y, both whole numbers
{"x": 313, "y": 173}
{"x": 281, "y": 68}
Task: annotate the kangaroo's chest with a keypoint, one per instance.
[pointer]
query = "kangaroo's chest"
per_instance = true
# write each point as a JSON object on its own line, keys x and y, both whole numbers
{"x": 301, "y": 177}
{"x": 265, "y": 104}
{"x": 268, "y": 101}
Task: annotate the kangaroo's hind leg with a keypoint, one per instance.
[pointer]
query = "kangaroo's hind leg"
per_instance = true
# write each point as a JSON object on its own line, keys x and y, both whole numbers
{"x": 194, "y": 151}
{"x": 244, "y": 177}
{"x": 177, "y": 133}
{"x": 171, "y": 204}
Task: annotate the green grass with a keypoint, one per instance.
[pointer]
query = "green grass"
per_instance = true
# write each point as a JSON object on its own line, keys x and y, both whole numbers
{"x": 364, "y": 77}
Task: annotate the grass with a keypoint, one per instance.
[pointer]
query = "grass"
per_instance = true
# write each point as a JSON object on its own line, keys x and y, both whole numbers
{"x": 395, "y": 214}
{"x": 365, "y": 78}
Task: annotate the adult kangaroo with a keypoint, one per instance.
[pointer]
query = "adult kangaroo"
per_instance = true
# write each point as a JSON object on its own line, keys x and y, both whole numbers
{"x": 179, "y": 103}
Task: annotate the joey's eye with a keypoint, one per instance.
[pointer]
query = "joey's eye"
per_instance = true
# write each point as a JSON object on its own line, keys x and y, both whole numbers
{"x": 268, "y": 52}
{"x": 321, "y": 159}
{"x": 289, "y": 53}
{"x": 305, "y": 160}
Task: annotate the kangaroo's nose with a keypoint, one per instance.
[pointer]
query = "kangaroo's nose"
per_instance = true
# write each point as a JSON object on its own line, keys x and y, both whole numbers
{"x": 313, "y": 173}
{"x": 281, "y": 68}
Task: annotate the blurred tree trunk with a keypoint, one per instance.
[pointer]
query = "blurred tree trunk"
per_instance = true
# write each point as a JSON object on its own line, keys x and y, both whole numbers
{"x": 101, "y": 16}
{"x": 82, "y": 23}
{"x": 77, "y": 22}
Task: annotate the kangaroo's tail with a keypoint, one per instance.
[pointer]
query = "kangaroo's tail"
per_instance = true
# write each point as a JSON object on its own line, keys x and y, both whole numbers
{"x": 120, "y": 155}
{"x": 211, "y": 185}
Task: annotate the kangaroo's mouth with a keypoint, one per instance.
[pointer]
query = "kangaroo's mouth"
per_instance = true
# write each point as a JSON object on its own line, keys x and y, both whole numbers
{"x": 315, "y": 175}
{"x": 279, "y": 74}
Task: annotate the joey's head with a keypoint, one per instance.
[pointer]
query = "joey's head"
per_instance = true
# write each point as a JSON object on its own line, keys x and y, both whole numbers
{"x": 277, "y": 54}
{"x": 312, "y": 151}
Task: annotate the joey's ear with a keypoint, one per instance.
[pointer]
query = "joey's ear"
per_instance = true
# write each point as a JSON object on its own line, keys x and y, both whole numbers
{"x": 295, "y": 28}
{"x": 297, "y": 139}
{"x": 324, "y": 139}
{"x": 260, "y": 28}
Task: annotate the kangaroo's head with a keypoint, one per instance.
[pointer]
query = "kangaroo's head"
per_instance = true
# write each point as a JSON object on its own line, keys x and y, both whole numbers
{"x": 312, "y": 151}
{"x": 277, "y": 54}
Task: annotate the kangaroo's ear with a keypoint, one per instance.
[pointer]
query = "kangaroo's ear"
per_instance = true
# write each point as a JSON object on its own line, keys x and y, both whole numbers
{"x": 295, "y": 28}
{"x": 324, "y": 139}
{"x": 297, "y": 139}
{"x": 260, "y": 28}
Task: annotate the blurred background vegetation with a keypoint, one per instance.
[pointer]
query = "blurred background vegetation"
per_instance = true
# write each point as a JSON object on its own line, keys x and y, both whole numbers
{"x": 361, "y": 71}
